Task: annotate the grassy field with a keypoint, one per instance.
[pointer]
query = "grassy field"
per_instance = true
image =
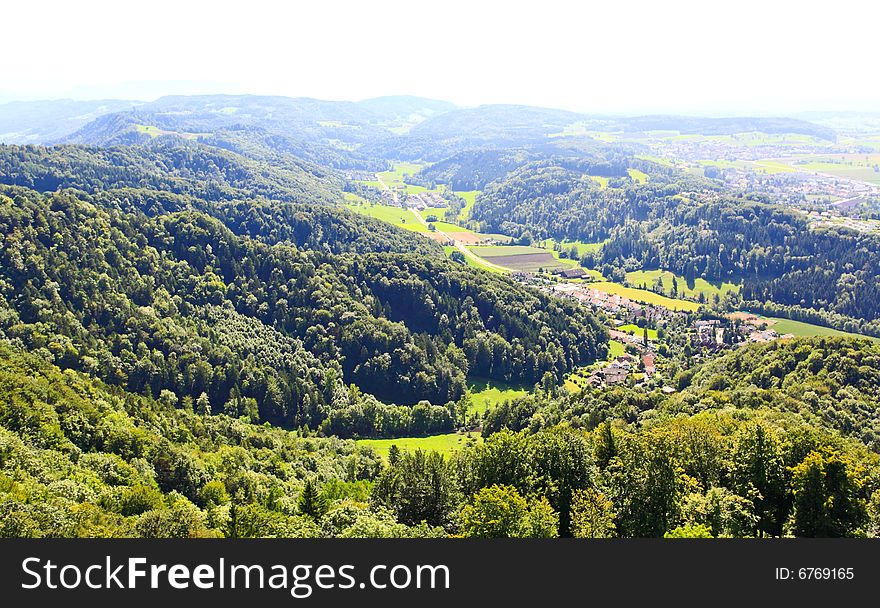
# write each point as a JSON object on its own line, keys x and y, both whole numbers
{"x": 601, "y": 180}
{"x": 649, "y": 277}
{"x": 448, "y": 249}
{"x": 863, "y": 167}
{"x": 394, "y": 178}
{"x": 616, "y": 349}
{"x": 637, "y": 176}
{"x": 489, "y": 393}
{"x": 470, "y": 196}
{"x": 447, "y": 227}
{"x": 445, "y": 444}
{"x": 439, "y": 212}
{"x": 393, "y": 215}
{"x": 799, "y": 328}
{"x": 772, "y": 167}
{"x": 635, "y": 330}
{"x": 656, "y": 159}
{"x": 582, "y": 248}
{"x": 156, "y": 132}
{"x": 647, "y": 297}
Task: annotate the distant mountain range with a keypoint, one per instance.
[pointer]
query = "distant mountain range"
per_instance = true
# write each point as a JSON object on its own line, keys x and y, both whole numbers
{"x": 415, "y": 126}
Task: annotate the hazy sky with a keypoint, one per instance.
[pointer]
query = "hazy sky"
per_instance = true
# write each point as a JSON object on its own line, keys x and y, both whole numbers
{"x": 772, "y": 56}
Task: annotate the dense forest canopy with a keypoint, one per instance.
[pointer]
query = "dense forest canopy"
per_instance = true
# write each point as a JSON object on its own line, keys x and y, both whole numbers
{"x": 77, "y": 279}
{"x": 78, "y": 458}
{"x": 196, "y": 325}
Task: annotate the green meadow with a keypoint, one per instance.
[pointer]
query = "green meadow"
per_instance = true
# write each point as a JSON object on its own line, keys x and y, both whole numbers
{"x": 709, "y": 290}
{"x": 644, "y": 296}
{"x": 635, "y": 330}
{"x": 469, "y": 196}
{"x": 489, "y": 393}
{"x": 801, "y": 329}
{"x": 445, "y": 444}
{"x": 393, "y": 215}
{"x": 637, "y": 176}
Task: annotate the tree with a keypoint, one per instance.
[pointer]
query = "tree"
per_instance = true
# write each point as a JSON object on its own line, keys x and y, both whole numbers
{"x": 723, "y": 512}
{"x": 592, "y": 515}
{"x": 501, "y": 512}
{"x": 644, "y": 483}
{"x": 393, "y": 454}
{"x": 759, "y": 473}
{"x": 203, "y": 405}
{"x": 561, "y": 464}
{"x": 420, "y": 486}
{"x": 826, "y": 490}
{"x": 604, "y": 448}
{"x": 310, "y": 502}
{"x": 690, "y": 531}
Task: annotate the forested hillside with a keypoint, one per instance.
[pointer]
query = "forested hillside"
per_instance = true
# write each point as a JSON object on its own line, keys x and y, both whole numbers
{"x": 211, "y": 305}
{"x": 178, "y": 303}
{"x": 173, "y": 166}
{"x": 80, "y": 459}
{"x": 674, "y": 222}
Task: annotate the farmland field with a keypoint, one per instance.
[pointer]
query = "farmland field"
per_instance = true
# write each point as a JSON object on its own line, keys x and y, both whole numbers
{"x": 649, "y": 277}
{"x": 521, "y": 258}
{"x": 445, "y": 444}
{"x": 799, "y": 328}
{"x": 647, "y": 297}
{"x": 864, "y": 167}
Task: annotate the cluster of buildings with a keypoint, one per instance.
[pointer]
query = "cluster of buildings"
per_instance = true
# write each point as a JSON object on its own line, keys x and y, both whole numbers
{"x": 618, "y": 370}
{"x": 609, "y": 302}
{"x": 424, "y": 200}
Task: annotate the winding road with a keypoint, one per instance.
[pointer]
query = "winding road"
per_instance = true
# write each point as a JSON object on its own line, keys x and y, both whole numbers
{"x": 461, "y": 246}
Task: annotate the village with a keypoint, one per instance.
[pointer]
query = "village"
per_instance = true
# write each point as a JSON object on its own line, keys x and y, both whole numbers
{"x": 630, "y": 324}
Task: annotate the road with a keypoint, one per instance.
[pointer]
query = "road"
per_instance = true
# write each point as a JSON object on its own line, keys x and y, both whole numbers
{"x": 456, "y": 243}
{"x": 461, "y": 246}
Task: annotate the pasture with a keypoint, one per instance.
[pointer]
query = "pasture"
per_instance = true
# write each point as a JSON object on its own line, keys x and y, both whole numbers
{"x": 701, "y": 286}
{"x": 393, "y": 215}
{"x": 486, "y": 394}
{"x": 644, "y": 296}
{"x": 445, "y": 444}
{"x": 801, "y": 329}
{"x": 637, "y": 176}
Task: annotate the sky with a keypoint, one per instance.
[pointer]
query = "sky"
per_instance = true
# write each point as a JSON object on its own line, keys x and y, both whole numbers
{"x": 744, "y": 57}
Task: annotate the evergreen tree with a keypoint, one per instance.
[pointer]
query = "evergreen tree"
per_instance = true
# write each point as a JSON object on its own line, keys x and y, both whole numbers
{"x": 311, "y": 503}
